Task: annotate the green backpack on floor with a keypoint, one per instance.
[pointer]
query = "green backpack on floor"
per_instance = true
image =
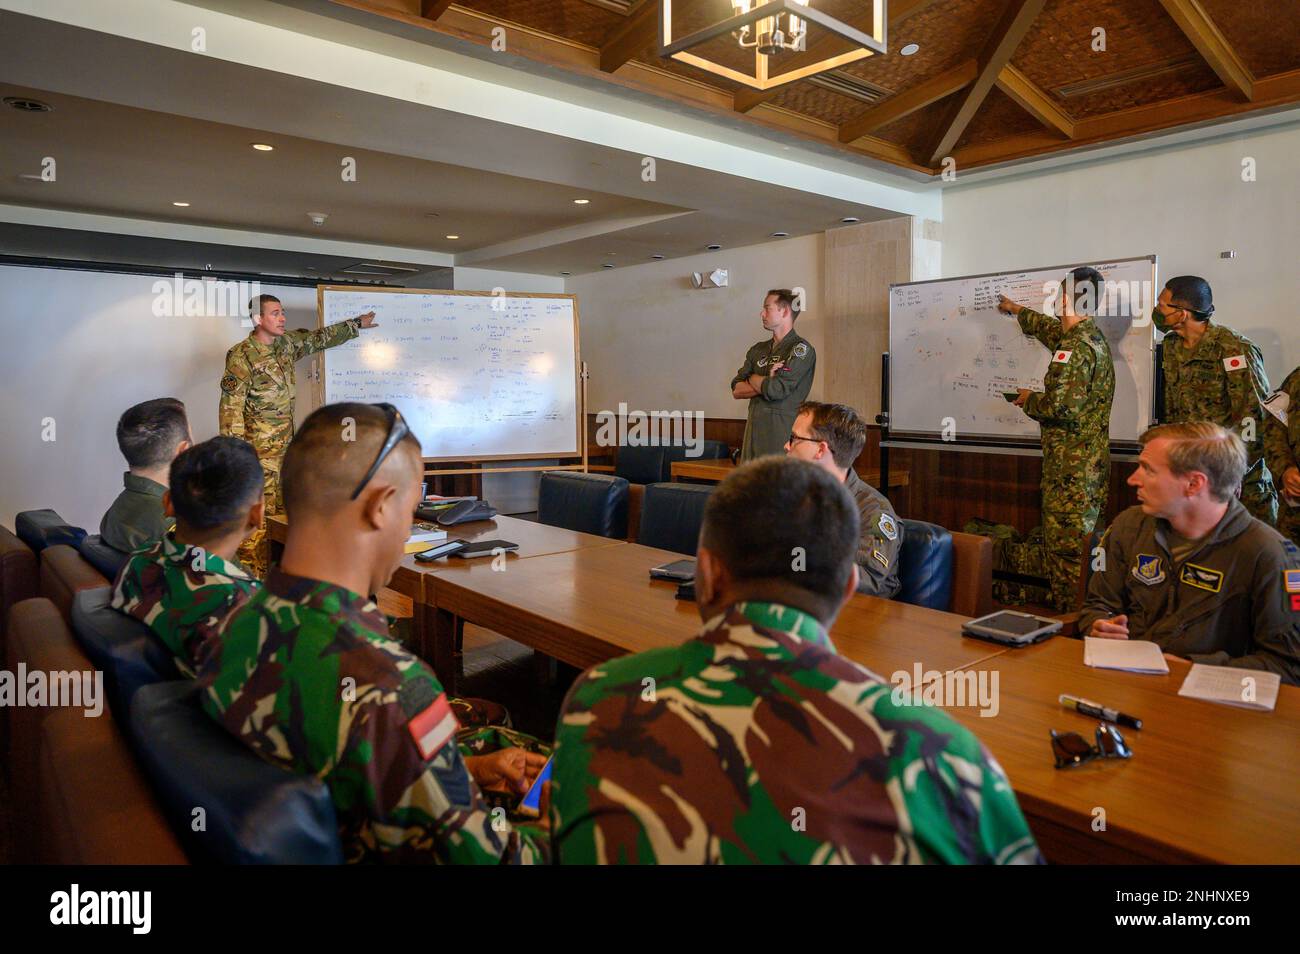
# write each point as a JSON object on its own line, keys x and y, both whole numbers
{"x": 1015, "y": 554}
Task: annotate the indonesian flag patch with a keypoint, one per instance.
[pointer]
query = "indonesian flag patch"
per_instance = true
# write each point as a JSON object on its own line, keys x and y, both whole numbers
{"x": 1062, "y": 357}
{"x": 433, "y": 727}
{"x": 1235, "y": 363}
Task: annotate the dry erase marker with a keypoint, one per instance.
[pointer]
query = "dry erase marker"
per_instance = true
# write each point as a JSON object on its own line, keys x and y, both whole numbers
{"x": 1096, "y": 711}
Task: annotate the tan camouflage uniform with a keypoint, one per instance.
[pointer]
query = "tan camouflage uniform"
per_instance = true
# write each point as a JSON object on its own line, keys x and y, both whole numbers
{"x": 1074, "y": 415}
{"x": 1282, "y": 448}
{"x": 257, "y": 398}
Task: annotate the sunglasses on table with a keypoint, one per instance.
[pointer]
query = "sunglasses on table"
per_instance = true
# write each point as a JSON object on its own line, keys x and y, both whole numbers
{"x": 397, "y": 430}
{"x": 1070, "y": 748}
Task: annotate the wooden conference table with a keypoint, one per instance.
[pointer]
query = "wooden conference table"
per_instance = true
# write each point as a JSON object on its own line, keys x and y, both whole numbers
{"x": 715, "y": 471}
{"x": 1207, "y": 783}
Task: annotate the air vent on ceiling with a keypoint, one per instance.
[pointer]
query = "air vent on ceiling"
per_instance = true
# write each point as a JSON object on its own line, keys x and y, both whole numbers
{"x": 28, "y": 105}
{"x": 1102, "y": 83}
{"x": 846, "y": 84}
{"x": 379, "y": 268}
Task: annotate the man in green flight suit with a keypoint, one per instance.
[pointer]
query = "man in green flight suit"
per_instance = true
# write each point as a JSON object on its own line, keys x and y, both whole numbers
{"x": 306, "y": 675}
{"x": 186, "y": 585}
{"x": 1214, "y": 374}
{"x": 1282, "y": 452}
{"x": 257, "y": 396}
{"x": 756, "y": 742}
{"x": 775, "y": 378}
{"x": 1073, "y": 412}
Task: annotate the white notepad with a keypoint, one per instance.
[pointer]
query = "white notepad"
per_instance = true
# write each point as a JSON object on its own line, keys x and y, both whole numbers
{"x": 1245, "y": 688}
{"x": 1130, "y": 655}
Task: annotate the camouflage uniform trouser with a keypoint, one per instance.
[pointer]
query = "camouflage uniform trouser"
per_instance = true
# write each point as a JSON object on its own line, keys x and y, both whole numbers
{"x": 485, "y": 728}
{"x": 1075, "y": 485}
{"x": 255, "y": 552}
{"x": 1259, "y": 496}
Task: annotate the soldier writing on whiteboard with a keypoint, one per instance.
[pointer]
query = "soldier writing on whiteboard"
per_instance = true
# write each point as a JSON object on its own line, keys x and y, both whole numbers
{"x": 1073, "y": 413}
{"x": 1214, "y": 374}
{"x": 257, "y": 397}
{"x": 775, "y": 378}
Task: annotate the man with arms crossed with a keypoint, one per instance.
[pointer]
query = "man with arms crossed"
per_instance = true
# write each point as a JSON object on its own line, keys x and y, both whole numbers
{"x": 775, "y": 378}
{"x": 1189, "y": 568}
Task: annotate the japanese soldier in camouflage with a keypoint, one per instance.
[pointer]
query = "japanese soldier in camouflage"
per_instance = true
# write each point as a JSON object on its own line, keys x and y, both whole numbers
{"x": 149, "y": 435}
{"x": 1214, "y": 374}
{"x": 306, "y": 675}
{"x": 258, "y": 389}
{"x": 756, "y": 742}
{"x": 1282, "y": 452}
{"x": 1190, "y": 569}
{"x": 775, "y": 378}
{"x": 184, "y": 586}
{"x": 1073, "y": 413}
{"x": 832, "y": 436}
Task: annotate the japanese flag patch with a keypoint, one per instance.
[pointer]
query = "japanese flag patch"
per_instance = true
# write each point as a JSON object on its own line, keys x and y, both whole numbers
{"x": 1236, "y": 363}
{"x": 434, "y": 727}
{"x": 1062, "y": 357}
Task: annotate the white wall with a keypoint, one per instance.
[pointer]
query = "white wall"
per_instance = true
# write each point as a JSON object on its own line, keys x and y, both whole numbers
{"x": 486, "y": 279}
{"x": 1185, "y": 204}
{"x": 82, "y": 347}
{"x": 654, "y": 341}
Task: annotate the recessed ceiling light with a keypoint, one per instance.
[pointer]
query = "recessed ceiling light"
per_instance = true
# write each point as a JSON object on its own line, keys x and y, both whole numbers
{"x": 909, "y": 49}
{"x": 28, "y": 105}
{"x": 656, "y": 257}
{"x": 850, "y": 219}
{"x": 607, "y": 265}
{"x": 581, "y": 201}
{"x": 181, "y": 205}
{"x": 566, "y": 273}
{"x": 263, "y": 147}
{"x": 713, "y": 248}
{"x": 431, "y": 215}
{"x": 780, "y": 234}
{"x": 453, "y": 237}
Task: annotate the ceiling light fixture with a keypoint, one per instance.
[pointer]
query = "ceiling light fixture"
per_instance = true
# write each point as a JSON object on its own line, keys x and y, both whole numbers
{"x": 453, "y": 237}
{"x": 263, "y": 147}
{"x": 713, "y": 248}
{"x": 23, "y": 104}
{"x": 657, "y": 257}
{"x": 850, "y": 219}
{"x": 909, "y": 50}
{"x": 775, "y": 31}
{"x": 581, "y": 201}
{"x": 566, "y": 273}
{"x": 607, "y": 265}
{"x": 181, "y": 205}
{"x": 780, "y": 234}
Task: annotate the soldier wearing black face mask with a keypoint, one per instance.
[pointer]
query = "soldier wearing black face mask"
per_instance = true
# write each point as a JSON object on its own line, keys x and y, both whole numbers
{"x": 1214, "y": 374}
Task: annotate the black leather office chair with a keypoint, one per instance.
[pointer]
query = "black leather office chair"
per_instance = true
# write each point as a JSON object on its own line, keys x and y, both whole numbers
{"x": 588, "y": 503}
{"x": 925, "y": 565}
{"x": 671, "y": 516}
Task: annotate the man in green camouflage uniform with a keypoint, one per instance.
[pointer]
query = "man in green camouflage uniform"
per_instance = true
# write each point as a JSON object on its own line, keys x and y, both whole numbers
{"x": 832, "y": 436}
{"x": 1214, "y": 374}
{"x": 257, "y": 396}
{"x": 184, "y": 586}
{"x": 1073, "y": 412}
{"x": 1282, "y": 452}
{"x": 775, "y": 378}
{"x": 306, "y": 675}
{"x": 1190, "y": 569}
{"x": 755, "y": 742}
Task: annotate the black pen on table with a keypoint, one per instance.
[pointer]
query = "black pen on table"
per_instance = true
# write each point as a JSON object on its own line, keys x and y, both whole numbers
{"x": 1096, "y": 711}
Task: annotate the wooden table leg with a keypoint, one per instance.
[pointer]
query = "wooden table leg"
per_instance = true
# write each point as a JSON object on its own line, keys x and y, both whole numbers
{"x": 440, "y": 629}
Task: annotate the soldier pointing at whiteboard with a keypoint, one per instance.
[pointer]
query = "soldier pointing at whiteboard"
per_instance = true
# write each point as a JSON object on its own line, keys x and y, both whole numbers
{"x": 1073, "y": 413}
{"x": 775, "y": 378}
{"x": 257, "y": 396}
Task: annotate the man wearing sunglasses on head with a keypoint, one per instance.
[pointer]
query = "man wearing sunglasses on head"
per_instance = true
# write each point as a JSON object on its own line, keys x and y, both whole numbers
{"x": 1214, "y": 374}
{"x": 306, "y": 674}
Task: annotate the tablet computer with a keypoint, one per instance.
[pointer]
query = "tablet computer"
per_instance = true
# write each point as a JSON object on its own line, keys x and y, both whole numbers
{"x": 680, "y": 571}
{"x": 1012, "y": 628}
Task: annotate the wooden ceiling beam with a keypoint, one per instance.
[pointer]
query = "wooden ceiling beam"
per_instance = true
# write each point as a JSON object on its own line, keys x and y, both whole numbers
{"x": 639, "y": 30}
{"x": 908, "y": 102}
{"x": 1212, "y": 45}
{"x": 1034, "y": 101}
{"x": 827, "y": 46}
{"x": 432, "y": 9}
{"x": 1006, "y": 36}
{"x": 1270, "y": 92}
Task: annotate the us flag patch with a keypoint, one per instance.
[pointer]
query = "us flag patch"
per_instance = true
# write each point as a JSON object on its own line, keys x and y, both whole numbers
{"x": 1062, "y": 357}
{"x": 1291, "y": 580}
{"x": 1235, "y": 363}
